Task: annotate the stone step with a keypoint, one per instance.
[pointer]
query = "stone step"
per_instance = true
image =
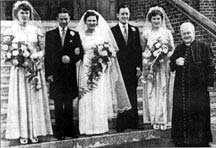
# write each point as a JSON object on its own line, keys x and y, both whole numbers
{"x": 95, "y": 141}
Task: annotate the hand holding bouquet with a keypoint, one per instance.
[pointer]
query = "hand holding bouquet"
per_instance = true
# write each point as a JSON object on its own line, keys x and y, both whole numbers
{"x": 152, "y": 57}
{"x": 19, "y": 55}
{"x": 99, "y": 63}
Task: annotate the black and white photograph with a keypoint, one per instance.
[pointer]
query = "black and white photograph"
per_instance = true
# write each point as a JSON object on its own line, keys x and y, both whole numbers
{"x": 107, "y": 73}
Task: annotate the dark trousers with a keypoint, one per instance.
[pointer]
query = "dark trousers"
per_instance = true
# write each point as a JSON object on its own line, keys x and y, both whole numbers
{"x": 129, "y": 119}
{"x": 64, "y": 116}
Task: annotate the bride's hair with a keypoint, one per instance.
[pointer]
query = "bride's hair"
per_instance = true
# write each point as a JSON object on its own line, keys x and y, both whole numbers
{"x": 23, "y": 7}
{"x": 90, "y": 13}
{"x": 155, "y": 13}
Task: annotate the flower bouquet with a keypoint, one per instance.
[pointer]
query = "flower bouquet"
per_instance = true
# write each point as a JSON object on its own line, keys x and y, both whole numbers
{"x": 19, "y": 55}
{"x": 153, "y": 57}
{"x": 99, "y": 63}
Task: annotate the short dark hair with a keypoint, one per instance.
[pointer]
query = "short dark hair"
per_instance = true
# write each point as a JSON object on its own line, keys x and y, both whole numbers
{"x": 63, "y": 10}
{"x": 122, "y": 6}
{"x": 154, "y": 13}
{"x": 90, "y": 13}
{"x": 23, "y": 7}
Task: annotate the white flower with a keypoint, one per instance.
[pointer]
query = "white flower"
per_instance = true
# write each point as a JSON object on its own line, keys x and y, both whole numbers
{"x": 23, "y": 47}
{"x": 133, "y": 29}
{"x": 25, "y": 64}
{"x": 145, "y": 61}
{"x": 6, "y": 39}
{"x": 38, "y": 87}
{"x": 157, "y": 45}
{"x": 100, "y": 60}
{"x": 146, "y": 54}
{"x": 165, "y": 41}
{"x": 15, "y": 62}
{"x": 109, "y": 63}
{"x": 8, "y": 55}
{"x": 15, "y": 52}
{"x": 165, "y": 49}
{"x": 5, "y": 47}
{"x": 142, "y": 79}
{"x": 104, "y": 53}
{"x": 26, "y": 54}
{"x": 15, "y": 45}
{"x": 72, "y": 33}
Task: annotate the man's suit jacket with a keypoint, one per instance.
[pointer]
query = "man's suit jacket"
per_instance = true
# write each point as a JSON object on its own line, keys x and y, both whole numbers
{"x": 64, "y": 75}
{"x": 130, "y": 54}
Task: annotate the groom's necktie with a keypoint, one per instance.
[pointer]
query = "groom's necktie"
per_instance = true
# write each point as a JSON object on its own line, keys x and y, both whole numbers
{"x": 125, "y": 34}
{"x": 63, "y": 36}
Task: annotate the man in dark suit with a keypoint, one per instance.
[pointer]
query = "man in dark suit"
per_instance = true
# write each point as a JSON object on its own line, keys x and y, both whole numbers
{"x": 130, "y": 61}
{"x": 62, "y": 51}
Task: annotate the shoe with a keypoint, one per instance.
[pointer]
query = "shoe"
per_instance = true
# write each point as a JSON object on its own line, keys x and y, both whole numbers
{"x": 60, "y": 137}
{"x": 23, "y": 140}
{"x": 119, "y": 130}
{"x": 34, "y": 140}
{"x": 163, "y": 127}
{"x": 156, "y": 126}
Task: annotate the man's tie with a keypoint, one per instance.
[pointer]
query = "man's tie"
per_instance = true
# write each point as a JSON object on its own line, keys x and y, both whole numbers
{"x": 125, "y": 34}
{"x": 63, "y": 36}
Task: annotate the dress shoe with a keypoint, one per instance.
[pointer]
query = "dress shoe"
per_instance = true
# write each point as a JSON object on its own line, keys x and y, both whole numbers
{"x": 23, "y": 140}
{"x": 34, "y": 140}
{"x": 163, "y": 127}
{"x": 119, "y": 130}
{"x": 60, "y": 137}
{"x": 156, "y": 126}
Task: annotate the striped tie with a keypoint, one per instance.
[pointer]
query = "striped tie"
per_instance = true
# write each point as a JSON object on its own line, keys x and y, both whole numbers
{"x": 125, "y": 34}
{"x": 63, "y": 36}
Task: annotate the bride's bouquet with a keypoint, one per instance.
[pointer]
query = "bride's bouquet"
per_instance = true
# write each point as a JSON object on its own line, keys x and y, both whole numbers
{"x": 19, "y": 55}
{"x": 154, "y": 56}
{"x": 98, "y": 63}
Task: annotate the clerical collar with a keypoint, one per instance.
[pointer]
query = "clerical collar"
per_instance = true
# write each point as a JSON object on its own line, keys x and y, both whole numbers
{"x": 189, "y": 44}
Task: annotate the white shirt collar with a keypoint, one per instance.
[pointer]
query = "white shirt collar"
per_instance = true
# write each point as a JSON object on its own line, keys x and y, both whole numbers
{"x": 60, "y": 29}
{"x": 121, "y": 26}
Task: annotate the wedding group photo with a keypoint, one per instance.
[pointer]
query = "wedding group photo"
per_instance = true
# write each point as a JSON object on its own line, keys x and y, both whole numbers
{"x": 108, "y": 73}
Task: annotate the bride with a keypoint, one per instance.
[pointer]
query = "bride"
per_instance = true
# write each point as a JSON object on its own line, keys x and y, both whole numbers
{"x": 28, "y": 113}
{"x": 102, "y": 90}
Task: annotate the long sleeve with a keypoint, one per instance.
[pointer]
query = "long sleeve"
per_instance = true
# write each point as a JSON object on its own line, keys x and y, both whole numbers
{"x": 138, "y": 49}
{"x": 210, "y": 66}
{"x": 48, "y": 56}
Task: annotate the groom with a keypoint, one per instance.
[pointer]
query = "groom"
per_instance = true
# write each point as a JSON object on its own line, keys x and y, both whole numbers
{"x": 62, "y": 51}
{"x": 130, "y": 61}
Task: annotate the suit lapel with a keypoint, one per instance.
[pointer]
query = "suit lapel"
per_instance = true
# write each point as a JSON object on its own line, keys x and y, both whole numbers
{"x": 120, "y": 35}
{"x": 57, "y": 37}
{"x": 67, "y": 36}
{"x": 130, "y": 34}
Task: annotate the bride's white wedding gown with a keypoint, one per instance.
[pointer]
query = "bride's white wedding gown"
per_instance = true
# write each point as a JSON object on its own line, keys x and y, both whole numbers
{"x": 96, "y": 105}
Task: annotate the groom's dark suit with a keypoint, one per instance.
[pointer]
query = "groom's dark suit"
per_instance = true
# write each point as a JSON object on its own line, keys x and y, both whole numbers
{"x": 129, "y": 57}
{"x": 64, "y": 87}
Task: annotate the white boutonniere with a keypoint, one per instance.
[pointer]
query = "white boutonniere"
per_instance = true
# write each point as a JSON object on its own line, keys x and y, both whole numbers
{"x": 72, "y": 33}
{"x": 133, "y": 29}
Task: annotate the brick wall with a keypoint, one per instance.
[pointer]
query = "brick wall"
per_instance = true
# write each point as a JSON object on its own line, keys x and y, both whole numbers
{"x": 139, "y": 9}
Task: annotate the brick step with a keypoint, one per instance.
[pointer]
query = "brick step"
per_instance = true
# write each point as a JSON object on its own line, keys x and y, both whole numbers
{"x": 112, "y": 138}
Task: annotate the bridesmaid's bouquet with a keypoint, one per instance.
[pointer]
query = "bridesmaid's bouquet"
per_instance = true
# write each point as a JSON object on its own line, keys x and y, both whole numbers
{"x": 98, "y": 65}
{"x": 154, "y": 56}
{"x": 19, "y": 55}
